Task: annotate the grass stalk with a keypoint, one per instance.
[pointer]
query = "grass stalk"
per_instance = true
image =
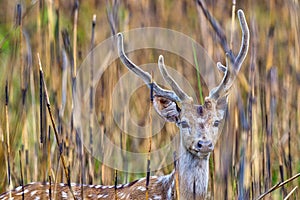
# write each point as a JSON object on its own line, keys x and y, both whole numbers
{"x": 290, "y": 193}
{"x": 116, "y": 183}
{"x": 278, "y": 185}
{"x": 252, "y": 106}
{"x": 150, "y": 138}
{"x": 91, "y": 118}
{"x": 232, "y": 23}
{"x": 198, "y": 76}
{"x": 176, "y": 177}
{"x": 19, "y": 24}
{"x": 215, "y": 25}
{"x": 76, "y": 8}
{"x": 49, "y": 153}
{"x": 54, "y": 127}
{"x": 21, "y": 172}
{"x": 7, "y": 140}
{"x": 50, "y": 190}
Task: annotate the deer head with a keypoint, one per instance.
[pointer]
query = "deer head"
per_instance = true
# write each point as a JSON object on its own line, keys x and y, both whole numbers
{"x": 198, "y": 124}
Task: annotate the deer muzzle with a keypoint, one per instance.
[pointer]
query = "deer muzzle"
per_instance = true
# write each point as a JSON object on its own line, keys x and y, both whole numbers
{"x": 204, "y": 146}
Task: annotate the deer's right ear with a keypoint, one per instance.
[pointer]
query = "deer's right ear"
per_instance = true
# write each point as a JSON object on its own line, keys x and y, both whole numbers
{"x": 166, "y": 108}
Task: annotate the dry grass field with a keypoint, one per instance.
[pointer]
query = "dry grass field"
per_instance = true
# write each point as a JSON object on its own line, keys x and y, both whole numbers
{"x": 259, "y": 145}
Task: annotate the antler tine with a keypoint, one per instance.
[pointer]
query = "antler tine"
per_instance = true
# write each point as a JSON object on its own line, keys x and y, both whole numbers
{"x": 175, "y": 87}
{"x": 222, "y": 88}
{"x": 145, "y": 76}
{"x": 233, "y": 68}
{"x": 129, "y": 64}
{"x": 245, "y": 40}
{"x": 221, "y": 67}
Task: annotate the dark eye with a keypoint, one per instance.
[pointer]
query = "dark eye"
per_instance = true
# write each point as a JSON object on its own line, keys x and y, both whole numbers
{"x": 216, "y": 123}
{"x": 184, "y": 124}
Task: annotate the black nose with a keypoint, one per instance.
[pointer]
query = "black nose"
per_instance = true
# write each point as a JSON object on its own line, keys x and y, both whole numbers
{"x": 205, "y": 146}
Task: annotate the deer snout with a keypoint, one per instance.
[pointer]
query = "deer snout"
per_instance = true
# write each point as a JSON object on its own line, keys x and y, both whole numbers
{"x": 205, "y": 146}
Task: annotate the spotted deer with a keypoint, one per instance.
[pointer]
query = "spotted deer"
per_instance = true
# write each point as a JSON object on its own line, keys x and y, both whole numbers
{"x": 199, "y": 132}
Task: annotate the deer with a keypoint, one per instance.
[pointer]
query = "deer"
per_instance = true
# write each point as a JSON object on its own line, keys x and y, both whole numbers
{"x": 199, "y": 133}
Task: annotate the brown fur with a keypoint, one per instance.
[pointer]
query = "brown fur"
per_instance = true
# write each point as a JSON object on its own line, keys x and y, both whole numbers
{"x": 158, "y": 187}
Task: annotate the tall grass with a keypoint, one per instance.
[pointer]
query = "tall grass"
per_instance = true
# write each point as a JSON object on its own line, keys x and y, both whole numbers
{"x": 259, "y": 146}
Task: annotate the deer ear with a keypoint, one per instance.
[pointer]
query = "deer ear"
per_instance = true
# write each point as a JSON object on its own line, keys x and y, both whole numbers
{"x": 166, "y": 108}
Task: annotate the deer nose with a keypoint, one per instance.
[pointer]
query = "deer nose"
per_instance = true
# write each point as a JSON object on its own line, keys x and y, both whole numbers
{"x": 205, "y": 146}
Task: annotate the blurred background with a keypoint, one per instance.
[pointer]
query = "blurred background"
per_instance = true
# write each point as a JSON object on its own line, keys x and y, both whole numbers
{"x": 259, "y": 146}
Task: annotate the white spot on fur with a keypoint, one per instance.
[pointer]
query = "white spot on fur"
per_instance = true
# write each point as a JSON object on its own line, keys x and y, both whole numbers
{"x": 37, "y": 198}
{"x": 102, "y": 196}
{"x": 47, "y": 191}
{"x": 98, "y": 186}
{"x": 25, "y": 191}
{"x": 33, "y": 193}
{"x": 18, "y": 188}
{"x": 91, "y": 186}
{"x": 121, "y": 195}
{"x": 64, "y": 194}
{"x": 73, "y": 184}
{"x": 156, "y": 197}
{"x": 20, "y": 193}
{"x": 141, "y": 188}
{"x": 62, "y": 184}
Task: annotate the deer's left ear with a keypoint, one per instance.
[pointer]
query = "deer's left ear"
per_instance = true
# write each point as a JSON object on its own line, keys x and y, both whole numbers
{"x": 166, "y": 108}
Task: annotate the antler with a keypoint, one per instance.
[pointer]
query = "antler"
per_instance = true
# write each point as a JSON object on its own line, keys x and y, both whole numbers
{"x": 233, "y": 65}
{"x": 175, "y": 87}
{"x": 176, "y": 95}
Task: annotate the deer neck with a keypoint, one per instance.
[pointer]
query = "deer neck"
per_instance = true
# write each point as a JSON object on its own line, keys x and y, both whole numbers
{"x": 193, "y": 175}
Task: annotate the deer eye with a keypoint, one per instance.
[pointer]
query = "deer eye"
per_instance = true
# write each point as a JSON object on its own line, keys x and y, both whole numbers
{"x": 216, "y": 123}
{"x": 184, "y": 124}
